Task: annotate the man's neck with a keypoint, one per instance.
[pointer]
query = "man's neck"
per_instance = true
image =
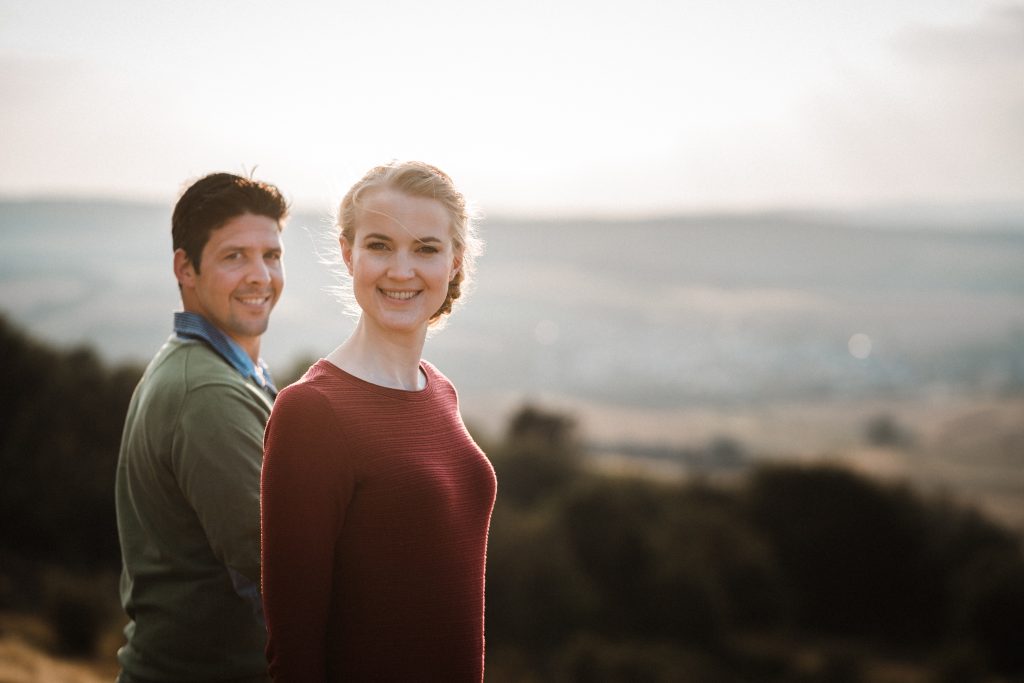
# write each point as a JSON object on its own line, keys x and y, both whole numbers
{"x": 251, "y": 346}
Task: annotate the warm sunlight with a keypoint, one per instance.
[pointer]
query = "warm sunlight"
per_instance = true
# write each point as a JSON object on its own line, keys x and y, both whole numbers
{"x": 734, "y": 392}
{"x": 566, "y": 108}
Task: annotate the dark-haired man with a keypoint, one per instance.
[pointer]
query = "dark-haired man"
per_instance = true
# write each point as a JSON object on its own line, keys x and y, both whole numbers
{"x": 188, "y": 473}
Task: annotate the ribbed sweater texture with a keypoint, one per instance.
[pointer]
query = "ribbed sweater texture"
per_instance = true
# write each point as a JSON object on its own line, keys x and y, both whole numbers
{"x": 376, "y": 504}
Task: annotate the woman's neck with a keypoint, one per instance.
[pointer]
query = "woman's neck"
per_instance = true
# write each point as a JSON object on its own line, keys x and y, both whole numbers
{"x": 382, "y": 359}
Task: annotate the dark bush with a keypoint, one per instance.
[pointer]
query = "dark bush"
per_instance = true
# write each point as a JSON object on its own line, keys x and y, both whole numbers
{"x": 76, "y": 623}
{"x": 607, "y": 525}
{"x": 591, "y": 659}
{"x": 60, "y": 428}
{"x": 79, "y": 609}
{"x": 885, "y": 431}
{"x": 853, "y": 552}
{"x": 990, "y": 609}
{"x": 537, "y": 596}
{"x": 540, "y": 456}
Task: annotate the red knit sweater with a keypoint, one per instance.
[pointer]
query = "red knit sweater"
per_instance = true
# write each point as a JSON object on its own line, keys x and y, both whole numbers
{"x": 376, "y": 504}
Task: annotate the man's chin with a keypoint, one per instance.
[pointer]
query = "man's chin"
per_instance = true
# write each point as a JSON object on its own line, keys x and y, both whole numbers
{"x": 252, "y": 328}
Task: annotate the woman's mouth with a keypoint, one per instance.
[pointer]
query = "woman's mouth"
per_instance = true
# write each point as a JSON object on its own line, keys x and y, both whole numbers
{"x": 399, "y": 295}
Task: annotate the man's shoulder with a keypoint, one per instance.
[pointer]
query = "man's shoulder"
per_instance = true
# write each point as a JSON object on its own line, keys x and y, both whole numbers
{"x": 191, "y": 368}
{"x": 191, "y": 378}
{"x": 192, "y": 363}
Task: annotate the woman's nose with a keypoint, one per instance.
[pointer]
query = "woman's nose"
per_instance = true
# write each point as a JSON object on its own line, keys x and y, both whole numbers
{"x": 400, "y": 267}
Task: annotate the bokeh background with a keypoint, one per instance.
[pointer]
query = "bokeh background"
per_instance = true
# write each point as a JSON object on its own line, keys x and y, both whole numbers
{"x": 746, "y": 345}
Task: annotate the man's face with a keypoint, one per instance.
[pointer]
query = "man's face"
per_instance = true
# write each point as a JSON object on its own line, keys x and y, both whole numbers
{"x": 240, "y": 280}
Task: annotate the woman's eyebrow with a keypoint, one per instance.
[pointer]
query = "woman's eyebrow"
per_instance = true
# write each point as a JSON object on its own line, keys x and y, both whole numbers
{"x": 419, "y": 240}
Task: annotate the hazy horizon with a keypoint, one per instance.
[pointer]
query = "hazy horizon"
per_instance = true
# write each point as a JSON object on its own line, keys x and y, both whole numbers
{"x": 702, "y": 309}
{"x": 988, "y": 215}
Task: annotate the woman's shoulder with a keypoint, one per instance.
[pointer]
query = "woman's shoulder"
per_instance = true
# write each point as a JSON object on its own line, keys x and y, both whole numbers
{"x": 433, "y": 373}
{"x": 440, "y": 387}
{"x": 313, "y": 386}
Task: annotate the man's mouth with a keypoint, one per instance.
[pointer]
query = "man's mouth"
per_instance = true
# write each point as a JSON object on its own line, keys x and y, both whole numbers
{"x": 254, "y": 300}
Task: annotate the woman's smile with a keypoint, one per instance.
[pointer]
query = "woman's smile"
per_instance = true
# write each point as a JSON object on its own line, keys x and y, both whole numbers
{"x": 399, "y": 295}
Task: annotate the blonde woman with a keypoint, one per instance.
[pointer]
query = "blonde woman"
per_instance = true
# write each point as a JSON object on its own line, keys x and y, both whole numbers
{"x": 376, "y": 500}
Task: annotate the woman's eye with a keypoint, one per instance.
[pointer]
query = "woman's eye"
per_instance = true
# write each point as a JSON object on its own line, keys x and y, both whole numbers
{"x": 376, "y": 246}
{"x": 426, "y": 249}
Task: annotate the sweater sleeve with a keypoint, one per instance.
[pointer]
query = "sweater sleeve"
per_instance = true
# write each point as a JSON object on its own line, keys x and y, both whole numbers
{"x": 217, "y": 458}
{"x": 306, "y": 486}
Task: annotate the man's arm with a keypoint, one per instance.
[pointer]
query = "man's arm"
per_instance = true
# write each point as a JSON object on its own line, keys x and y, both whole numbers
{"x": 218, "y": 456}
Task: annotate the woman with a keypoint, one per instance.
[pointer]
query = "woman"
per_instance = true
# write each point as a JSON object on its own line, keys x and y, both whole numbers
{"x": 376, "y": 501}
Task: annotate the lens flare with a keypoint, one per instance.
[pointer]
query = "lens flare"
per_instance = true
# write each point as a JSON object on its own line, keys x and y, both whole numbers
{"x": 859, "y": 345}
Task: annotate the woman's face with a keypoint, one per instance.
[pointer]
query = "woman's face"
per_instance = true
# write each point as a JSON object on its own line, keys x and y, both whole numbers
{"x": 401, "y": 259}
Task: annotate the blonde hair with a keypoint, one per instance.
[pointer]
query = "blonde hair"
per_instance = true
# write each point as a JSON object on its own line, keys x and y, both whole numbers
{"x": 418, "y": 179}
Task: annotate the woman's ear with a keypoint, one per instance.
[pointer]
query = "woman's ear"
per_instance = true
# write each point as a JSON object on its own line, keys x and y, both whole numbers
{"x": 346, "y": 254}
{"x": 456, "y": 266}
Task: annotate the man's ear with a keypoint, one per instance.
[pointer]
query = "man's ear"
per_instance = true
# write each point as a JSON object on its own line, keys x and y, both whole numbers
{"x": 346, "y": 253}
{"x": 184, "y": 271}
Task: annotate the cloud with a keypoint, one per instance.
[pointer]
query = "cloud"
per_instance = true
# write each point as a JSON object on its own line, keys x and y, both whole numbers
{"x": 944, "y": 121}
{"x": 997, "y": 40}
{"x": 35, "y": 81}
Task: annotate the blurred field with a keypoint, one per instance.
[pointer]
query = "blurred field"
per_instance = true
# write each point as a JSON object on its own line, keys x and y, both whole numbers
{"x": 968, "y": 448}
{"x": 27, "y": 645}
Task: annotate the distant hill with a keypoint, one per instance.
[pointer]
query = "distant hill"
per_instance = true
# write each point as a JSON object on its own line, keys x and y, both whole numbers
{"x": 711, "y": 308}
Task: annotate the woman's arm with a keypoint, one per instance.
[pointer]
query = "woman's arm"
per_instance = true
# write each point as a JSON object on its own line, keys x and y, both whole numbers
{"x": 305, "y": 488}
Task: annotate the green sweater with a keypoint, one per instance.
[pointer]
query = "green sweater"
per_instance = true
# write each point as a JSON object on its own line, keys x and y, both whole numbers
{"x": 188, "y": 515}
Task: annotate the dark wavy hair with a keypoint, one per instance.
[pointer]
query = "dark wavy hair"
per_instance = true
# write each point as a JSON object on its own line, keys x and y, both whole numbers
{"x": 212, "y": 201}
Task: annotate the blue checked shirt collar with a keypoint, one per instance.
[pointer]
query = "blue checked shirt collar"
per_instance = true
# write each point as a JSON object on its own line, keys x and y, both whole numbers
{"x": 189, "y": 325}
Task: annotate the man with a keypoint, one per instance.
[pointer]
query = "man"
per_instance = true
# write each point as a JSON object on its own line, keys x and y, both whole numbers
{"x": 188, "y": 473}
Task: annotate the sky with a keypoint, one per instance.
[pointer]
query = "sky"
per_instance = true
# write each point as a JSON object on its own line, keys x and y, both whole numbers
{"x": 536, "y": 107}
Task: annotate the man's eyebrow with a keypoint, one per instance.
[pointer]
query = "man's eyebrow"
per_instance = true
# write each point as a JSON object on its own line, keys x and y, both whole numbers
{"x": 226, "y": 248}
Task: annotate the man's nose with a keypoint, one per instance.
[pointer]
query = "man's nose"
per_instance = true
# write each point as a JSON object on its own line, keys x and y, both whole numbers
{"x": 259, "y": 271}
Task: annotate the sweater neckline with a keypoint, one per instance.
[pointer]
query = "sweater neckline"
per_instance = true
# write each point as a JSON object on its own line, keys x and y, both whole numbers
{"x": 403, "y": 394}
